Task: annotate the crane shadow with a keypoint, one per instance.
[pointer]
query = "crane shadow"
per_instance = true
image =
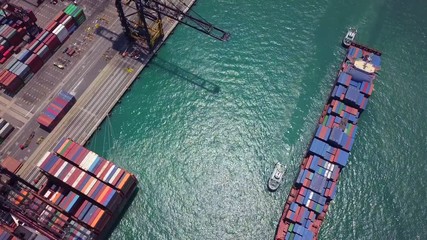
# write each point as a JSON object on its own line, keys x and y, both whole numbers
{"x": 119, "y": 40}
{"x": 186, "y": 75}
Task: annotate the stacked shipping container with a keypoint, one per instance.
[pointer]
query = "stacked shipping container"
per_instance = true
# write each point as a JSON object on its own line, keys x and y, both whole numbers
{"x": 5, "y": 129}
{"x": 96, "y": 166}
{"x": 87, "y": 186}
{"x": 56, "y": 110}
{"x": 5, "y": 235}
{"x": 316, "y": 184}
{"x": 22, "y": 68}
{"x": 13, "y": 29}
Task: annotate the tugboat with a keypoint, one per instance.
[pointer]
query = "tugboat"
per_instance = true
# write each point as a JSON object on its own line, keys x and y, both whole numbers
{"x": 349, "y": 37}
{"x": 276, "y": 177}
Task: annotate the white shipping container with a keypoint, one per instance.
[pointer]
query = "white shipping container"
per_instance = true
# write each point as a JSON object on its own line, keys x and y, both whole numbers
{"x": 57, "y": 29}
{"x": 6, "y": 130}
{"x": 67, "y": 20}
{"x": 43, "y": 159}
{"x": 60, "y": 169}
{"x": 91, "y": 160}
{"x": 114, "y": 176}
{"x": 2, "y": 123}
{"x": 62, "y": 33}
{"x": 69, "y": 174}
{"x": 90, "y": 186}
{"x": 109, "y": 172}
{"x": 102, "y": 170}
{"x": 78, "y": 179}
{"x": 95, "y": 161}
{"x": 43, "y": 52}
{"x": 85, "y": 160}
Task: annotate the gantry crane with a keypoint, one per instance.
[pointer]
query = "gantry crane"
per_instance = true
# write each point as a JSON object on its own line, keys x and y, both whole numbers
{"x": 142, "y": 20}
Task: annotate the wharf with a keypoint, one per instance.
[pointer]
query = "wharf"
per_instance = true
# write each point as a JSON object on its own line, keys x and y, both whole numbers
{"x": 97, "y": 100}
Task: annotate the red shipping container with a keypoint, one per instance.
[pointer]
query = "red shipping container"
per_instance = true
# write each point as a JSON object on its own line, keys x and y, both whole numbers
{"x": 56, "y": 107}
{"x": 78, "y": 160}
{"x": 39, "y": 47}
{"x": 13, "y": 83}
{"x": 73, "y": 177}
{"x": 89, "y": 185}
{"x": 104, "y": 172}
{"x": 116, "y": 179}
{"x": 3, "y": 75}
{"x": 49, "y": 110}
{"x": 2, "y": 49}
{"x": 3, "y": 60}
{"x": 8, "y": 52}
{"x": 71, "y": 147}
{"x": 59, "y": 16}
{"x": 42, "y": 121}
{"x": 52, "y": 25}
{"x": 55, "y": 167}
{"x": 94, "y": 188}
{"x": 53, "y": 43}
{"x": 72, "y": 151}
{"x": 60, "y": 102}
{"x": 35, "y": 63}
{"x": 63, "y": 18}
{"x": 69, "y": 23}
{"x": 72, "y": 155}
{"x": 80, "y": 209}
{"x": 65, "y": 171}
{"x": 102, "y": 162}
{"x": 102, "y": 195}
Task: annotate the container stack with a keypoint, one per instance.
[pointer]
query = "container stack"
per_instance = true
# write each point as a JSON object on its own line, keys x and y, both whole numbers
{"x": 56, "y": 110}
{"x": 22, "y": 68}
{"x": 49, "y": 218}
{"x": 5, "y": 235}
{"x": 13, "y": 29}
{"x": 85, "y": 185}
{"x": 316, "y": 184}
{"x": 5, "y": 129}
{"x": 96, "y": 166}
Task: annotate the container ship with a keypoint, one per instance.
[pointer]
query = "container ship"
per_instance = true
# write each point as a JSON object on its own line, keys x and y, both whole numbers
{"x": 316, "y": 183}
{"x": 82, "y": 198}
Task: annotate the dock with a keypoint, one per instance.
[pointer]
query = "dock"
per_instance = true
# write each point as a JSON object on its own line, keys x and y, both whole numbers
{"x": 98, "y": 85}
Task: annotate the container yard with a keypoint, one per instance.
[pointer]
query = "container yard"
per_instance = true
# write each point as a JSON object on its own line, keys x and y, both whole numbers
{"x": 31, "y": 59}
{"x": 82, "y": 198}
{"x": 17, "y": 24}
{"x": 316, "y": 183}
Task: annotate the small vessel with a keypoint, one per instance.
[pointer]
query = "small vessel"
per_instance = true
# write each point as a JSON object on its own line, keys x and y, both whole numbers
{"x": 349, "y": 37}
{"x": 276, "y": 177}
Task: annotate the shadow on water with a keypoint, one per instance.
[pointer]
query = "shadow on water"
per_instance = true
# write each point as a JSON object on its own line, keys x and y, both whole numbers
{"x": 121, "y": 44}
{"x": 186, "y": 75}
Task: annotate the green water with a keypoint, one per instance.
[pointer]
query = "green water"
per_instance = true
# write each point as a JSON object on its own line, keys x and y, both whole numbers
{"x": 204, "y": 125}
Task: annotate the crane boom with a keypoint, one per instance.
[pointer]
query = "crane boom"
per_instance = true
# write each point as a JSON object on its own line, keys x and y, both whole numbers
{"x": 145, "y": 23}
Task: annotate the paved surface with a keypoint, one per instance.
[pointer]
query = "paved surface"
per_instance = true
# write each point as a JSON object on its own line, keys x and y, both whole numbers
{"x": 98, "y": 78}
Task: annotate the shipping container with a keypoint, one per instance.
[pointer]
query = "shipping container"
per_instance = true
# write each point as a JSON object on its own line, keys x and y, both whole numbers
{"x": 13, "y": 83}
{"x": 6, "y": 130}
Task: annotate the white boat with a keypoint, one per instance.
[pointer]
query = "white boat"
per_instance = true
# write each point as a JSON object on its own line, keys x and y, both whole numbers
{"x": 276, "y": 177}
{"x": 349, "y": 37}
